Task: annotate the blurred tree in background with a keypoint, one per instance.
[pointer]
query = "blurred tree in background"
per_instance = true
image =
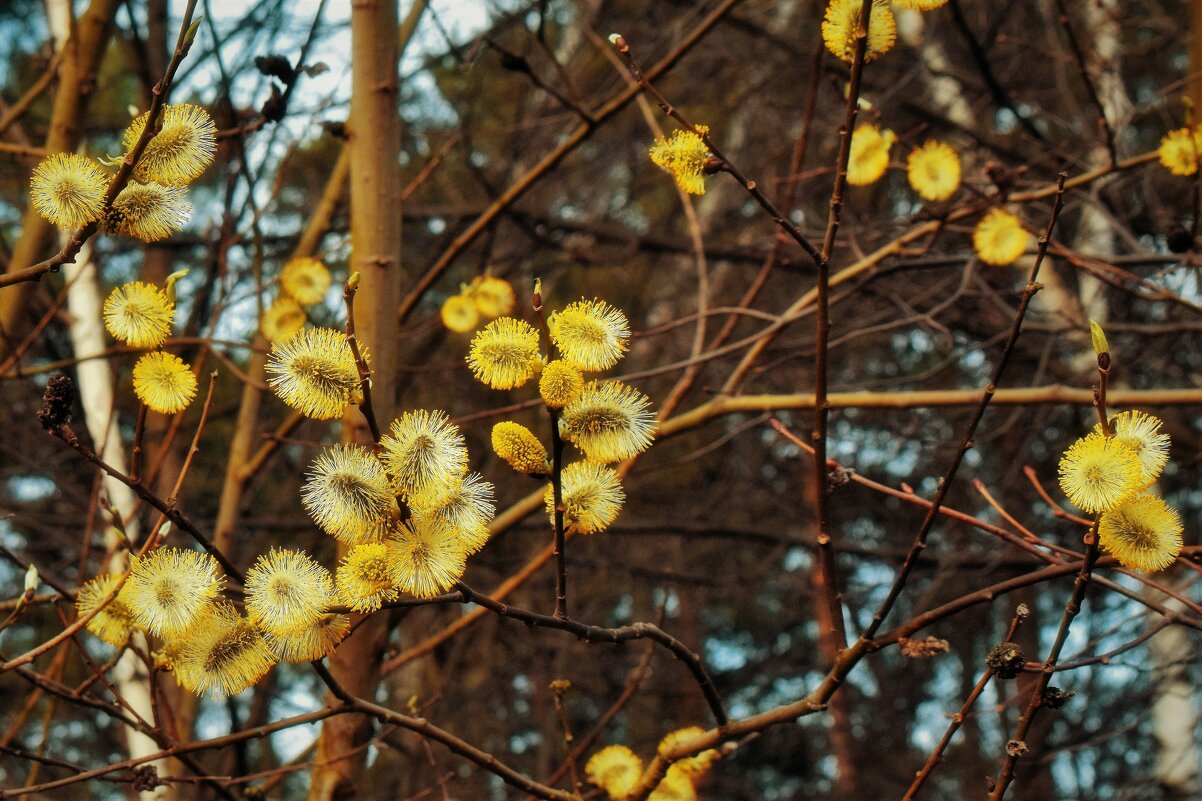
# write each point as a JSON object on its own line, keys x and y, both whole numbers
{"x": 425, "y": 144}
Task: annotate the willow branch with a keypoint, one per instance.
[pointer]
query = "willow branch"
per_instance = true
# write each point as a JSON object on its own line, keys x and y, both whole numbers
{"x": 590, "y": 634}
{"x": 72, "y": 246}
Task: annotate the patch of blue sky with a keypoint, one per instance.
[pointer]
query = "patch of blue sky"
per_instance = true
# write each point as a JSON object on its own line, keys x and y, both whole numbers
{"x": 753, "y": 699}
{"x": 724, "y": 654}
{"x": 525, "y": 741}
{"x": 297, "y": 695}
{"x": 9, "y": 538}
{"x": 30, "y": 488}
{"x": 795, "y": 559}
{"x": 910, "y": 348}
{"x": 212, "y": 720}
{"x": 931, "y": 715}
{"x": 668, "y": 599}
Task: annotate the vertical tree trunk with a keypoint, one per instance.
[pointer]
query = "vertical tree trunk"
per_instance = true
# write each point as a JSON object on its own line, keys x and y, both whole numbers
{"x": 1194, "y": 78}
{"x": 1096, "y": 230}
{"x": 95, "y": 381}
{"x": 1175, "y": 714}
{"x": 96, "y": 393}
{"x": 374, "y": 136}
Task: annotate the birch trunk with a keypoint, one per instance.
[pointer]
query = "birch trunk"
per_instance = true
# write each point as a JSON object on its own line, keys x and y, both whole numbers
{"x": 1175, "y": 714}
{"x": 95, "y": 381}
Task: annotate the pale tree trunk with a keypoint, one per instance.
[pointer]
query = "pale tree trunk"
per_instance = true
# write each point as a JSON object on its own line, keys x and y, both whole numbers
{"x": 1175, "y": 714}
{"x": 1096, "y": 233}
{"x": 946, "y": 93}
{"x": 1069, "y": 295}
{"x": 374, "y": 136}
{"x": 83, "y": 51}
{"x": 95, "y": 381}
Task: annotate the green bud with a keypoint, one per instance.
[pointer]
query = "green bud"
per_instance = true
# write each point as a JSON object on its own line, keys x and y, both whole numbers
{"x": 190, "y": 34}
{"x": 1100, "y": 345}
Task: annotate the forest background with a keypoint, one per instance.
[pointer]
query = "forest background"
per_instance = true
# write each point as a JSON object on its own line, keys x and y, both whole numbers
{"x": 518, "y": 145}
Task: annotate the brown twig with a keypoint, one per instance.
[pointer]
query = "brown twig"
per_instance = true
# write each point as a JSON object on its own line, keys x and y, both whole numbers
{"x": 365, "y": 405}
{"x": 1083, "y": 67}
{"x": 557, "y": 446}
{"x": 958, "y": 719}
{"x": 752, "y": 188}
{"x": 181, "y": 749}
{"x": 1056, "y": 508}
{"x": 549, "y": 162}
{"x": 558, "y": 688}
{"x": 454, "y": 744}
{"x": 584, "y": 742}
{"x": 827, "y": 567}
{"x": 589, "y": 633}
{"x": 1017, "y": 746}
{"x": 177, "y": 517}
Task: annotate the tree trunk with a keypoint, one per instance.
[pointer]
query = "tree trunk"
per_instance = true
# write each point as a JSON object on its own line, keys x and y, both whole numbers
{"x": 95, "y": 381}
{"x": 1175, "y": 714}
{"x": 374, "y": 136}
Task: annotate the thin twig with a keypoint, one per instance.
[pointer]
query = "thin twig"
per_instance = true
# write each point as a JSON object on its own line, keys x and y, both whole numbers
{"x": 589, "y": 633}
{"x": 430, "y": 731}
{"x": 752, "y": 187}
{"x": 1017, "y": 746}
{"x": 958, "y": 719}
{"x": 177, "y": 517}
{"x": 1083, "y": 67}
{"x": 557, "y": 446}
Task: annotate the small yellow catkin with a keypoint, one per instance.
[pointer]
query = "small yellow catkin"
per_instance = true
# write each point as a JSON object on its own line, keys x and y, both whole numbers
{"x": 518, "y": 446}
{"x": 615, "y": 769}
{"x": 560, "y": 383}
{"x": 459, "y": 314}
{"x": 684, "y": 155}
{"x": 493, "y": 297}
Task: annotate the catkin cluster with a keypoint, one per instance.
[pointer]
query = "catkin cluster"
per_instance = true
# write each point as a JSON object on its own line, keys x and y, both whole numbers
{"x": 1110, "y": 474}
{"x": 607, "y": 421}
{"x": 302, "y": 283}
{"x": 485, "y": 298}
{"x": 933, "y": 169}
{"x": 69, "y": 189}
{"x": 618, "y": 771}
